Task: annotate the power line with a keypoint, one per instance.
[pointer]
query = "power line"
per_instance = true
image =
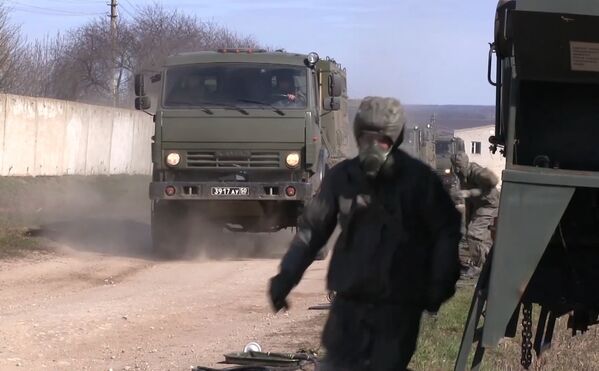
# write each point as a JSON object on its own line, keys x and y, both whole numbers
{"x": 56, "y": 13}
{"x": 136, "y": 8}
{"x": 127, "y": 11}
{"x": 34, "y": 9}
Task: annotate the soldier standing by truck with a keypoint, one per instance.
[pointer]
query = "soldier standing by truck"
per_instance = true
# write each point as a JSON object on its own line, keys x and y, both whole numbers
{"x": 478, "y": 188}
{"x": 397, "y": 253}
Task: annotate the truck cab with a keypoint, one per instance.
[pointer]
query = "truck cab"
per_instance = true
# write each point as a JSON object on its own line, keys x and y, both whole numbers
{"x": 242, "y": 138}
{"x": 445, "y": 147}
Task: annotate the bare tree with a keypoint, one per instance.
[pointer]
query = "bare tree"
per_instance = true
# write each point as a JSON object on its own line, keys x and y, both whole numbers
{"x": 11, "y": 53}
{"x": 159, "y": 33}
{"x": 81, "y": 64}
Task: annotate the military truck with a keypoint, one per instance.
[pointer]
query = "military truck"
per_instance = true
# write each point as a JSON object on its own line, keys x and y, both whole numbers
{"x": 419, "y": 142}
{"x": 446, "y": 146}
{"x": 242, "y": 137}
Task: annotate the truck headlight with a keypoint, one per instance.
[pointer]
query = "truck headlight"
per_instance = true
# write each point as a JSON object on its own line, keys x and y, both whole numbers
{"x": 173, "y": 159}
{"x": 447, "y": 171}
{"x": 292, "y": 160}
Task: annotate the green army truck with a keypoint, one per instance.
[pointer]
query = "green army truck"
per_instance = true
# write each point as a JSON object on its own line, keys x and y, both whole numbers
{"x": 445, "y": 147}
{"x": 243, "y": 138}
{"x": 419, "y": 142}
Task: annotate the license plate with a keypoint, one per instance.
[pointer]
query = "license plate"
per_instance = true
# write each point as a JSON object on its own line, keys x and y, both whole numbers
{"x": 230, "y": 191}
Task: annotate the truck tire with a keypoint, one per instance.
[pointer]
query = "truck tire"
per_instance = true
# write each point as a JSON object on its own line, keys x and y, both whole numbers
{"x": 169, "y": 237}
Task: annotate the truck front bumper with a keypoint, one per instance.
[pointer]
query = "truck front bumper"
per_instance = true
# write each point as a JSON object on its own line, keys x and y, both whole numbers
{"x": 239, "y": 191}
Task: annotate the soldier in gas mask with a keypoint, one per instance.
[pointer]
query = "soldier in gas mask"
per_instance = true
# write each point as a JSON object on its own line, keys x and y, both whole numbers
{"x": 478, "y": 188}
{"x": 396, "y": 256}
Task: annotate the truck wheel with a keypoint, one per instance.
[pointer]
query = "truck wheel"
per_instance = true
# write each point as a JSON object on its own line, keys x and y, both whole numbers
{"x": 169, "y": 236}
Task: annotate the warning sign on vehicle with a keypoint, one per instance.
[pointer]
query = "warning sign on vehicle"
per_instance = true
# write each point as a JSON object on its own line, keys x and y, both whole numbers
{"x": 584, "y": 56}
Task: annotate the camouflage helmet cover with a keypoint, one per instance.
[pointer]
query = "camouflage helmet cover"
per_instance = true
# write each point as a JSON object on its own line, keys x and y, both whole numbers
{"x": 382, "y": 115}
{"x": 460, "y": 159}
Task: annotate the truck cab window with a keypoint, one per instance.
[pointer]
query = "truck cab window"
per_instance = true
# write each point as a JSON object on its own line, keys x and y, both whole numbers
{"x": 244, "y": 85}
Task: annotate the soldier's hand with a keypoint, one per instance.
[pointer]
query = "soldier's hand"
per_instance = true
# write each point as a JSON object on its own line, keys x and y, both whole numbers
{"x": 475, "y": 192}
{"x": 455, "y": 194}
{"x": 464, "y": 194}
{"x": 436, "y": 296}
{"x": 280, "y": 287}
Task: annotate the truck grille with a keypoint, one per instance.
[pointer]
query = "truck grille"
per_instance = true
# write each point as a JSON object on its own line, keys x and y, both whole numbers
{"x": 233, "y": 159}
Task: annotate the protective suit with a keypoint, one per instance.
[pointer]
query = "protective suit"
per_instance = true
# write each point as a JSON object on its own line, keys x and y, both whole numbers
{"x": 397, "y": 253}
{"x": 479, "y": 189}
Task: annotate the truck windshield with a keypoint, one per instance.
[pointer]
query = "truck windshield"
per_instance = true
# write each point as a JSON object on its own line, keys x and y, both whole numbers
{"x": 443, "y": 147}
{"x": 241, "y": 85}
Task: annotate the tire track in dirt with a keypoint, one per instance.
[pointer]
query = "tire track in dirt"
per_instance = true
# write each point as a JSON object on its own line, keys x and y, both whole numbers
{"x": 94, "y": 311}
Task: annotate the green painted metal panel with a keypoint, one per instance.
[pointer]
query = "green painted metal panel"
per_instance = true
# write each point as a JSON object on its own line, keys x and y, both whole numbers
{"x": 587, "y": 7}
{"x": 528, "y": 216}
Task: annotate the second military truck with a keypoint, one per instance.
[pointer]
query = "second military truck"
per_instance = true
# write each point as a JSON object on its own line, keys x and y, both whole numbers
{"x": 242, "y": 137}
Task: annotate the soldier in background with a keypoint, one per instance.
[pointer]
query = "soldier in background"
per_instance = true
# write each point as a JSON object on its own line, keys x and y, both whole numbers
{"x": 396, "y": 256}
{"x": 478, "y": 188}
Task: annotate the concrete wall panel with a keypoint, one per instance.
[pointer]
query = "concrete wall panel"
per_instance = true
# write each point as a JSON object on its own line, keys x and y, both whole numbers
{"x": 141, "y": 161}
{"x": 20, "y": 136}
{"x": 77, "y": 131}
{"x": 98, "y": 141}
{"x": 53, "y": 137}
{"x": 50, "y": 143}
{"x": 2, "y": 123}
{"x": 122, "y": 142}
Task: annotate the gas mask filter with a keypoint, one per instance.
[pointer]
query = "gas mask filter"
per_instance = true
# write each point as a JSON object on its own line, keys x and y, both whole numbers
{"x": 374, "y": 153}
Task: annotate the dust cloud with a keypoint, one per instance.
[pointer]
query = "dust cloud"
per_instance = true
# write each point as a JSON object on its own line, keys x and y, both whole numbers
{"x": 211, "y": 242}
{"x": 111, "y": 215}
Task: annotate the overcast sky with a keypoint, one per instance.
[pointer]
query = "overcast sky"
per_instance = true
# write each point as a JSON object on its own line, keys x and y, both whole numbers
{"x": 422, "y": 52}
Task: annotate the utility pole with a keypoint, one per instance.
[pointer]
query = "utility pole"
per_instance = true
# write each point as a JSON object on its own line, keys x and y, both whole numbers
{"x": 113, "y": 32}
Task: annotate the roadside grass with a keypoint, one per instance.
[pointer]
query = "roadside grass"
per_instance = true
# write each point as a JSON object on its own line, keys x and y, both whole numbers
{"x": 29, "y": 202}
{"x": 440, "y": 338}
{"x": 15, "y": 243}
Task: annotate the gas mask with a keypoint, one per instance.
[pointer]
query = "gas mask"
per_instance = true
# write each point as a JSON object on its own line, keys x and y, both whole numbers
{"x": 375, "y": 154}
{"x": 378, "y": 129}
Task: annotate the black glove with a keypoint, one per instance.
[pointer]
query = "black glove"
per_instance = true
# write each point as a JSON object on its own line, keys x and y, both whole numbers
{"x": 436, "y": 296}
{"x": 280, "y": 287}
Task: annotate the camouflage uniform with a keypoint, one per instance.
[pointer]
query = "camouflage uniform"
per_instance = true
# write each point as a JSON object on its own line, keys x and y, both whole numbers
{"x": 481, "y": 204}
{"x": 396, "y": 256}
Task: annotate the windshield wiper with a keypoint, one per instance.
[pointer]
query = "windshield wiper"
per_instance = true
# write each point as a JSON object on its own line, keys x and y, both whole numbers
{"x": 192, "y": 104}
{"x": 230, "y": 106}
{"x": 281, "y": 113}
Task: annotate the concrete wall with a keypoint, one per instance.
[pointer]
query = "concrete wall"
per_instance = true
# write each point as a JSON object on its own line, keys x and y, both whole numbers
{"x": 52, "y": 137}
{"x": 495, "y": 162}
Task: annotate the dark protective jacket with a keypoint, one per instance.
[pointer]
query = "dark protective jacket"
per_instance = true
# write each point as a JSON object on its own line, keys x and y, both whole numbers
{"x": 399, "y": 235}
{"x": 478, "y": 177}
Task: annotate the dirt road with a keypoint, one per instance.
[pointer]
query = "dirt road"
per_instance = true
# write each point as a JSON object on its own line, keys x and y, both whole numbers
{"x": 78, "y": 309}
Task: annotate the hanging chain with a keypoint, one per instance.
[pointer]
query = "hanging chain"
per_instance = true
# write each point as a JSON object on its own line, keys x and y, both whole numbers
{"x": 526, "y": 359}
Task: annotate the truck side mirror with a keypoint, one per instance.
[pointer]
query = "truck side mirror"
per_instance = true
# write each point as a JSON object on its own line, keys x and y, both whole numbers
{"x": 143, "y": 103}
{"x": 140, "y": 90}
{"x": 332, "y": 104}
{"x": 336, "y": 85}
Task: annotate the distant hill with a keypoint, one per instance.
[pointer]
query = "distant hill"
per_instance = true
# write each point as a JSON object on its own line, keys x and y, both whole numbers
{"x": 448, "y": 117}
